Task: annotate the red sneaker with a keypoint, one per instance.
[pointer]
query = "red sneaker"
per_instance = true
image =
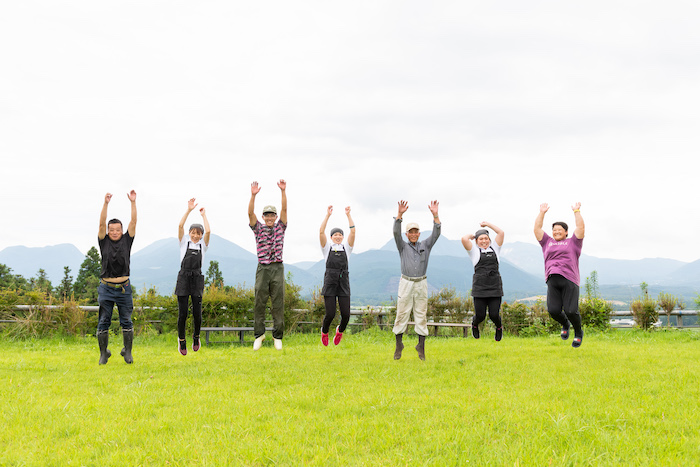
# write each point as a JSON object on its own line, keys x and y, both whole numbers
{"x": 338, "y": 336}
{"x": 195, "y": 344}
{"x": 182, "y": 347}
{"x": 324, "y": 339}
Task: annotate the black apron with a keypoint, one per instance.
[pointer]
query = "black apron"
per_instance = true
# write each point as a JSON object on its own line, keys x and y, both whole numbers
{"x": 190, "y": 280}
{"x": 336, "y": 281}
{"x": 487, "y": 280}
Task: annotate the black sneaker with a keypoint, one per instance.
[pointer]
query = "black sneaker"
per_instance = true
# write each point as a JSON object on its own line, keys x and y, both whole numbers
{"x": 475, "y": 331}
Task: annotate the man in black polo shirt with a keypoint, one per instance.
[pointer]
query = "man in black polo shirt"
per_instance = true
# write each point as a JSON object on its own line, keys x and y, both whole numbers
{"x": 115, "y": 289}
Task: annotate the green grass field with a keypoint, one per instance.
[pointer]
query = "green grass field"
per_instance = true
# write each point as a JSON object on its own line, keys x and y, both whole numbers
{"x": 623, "y": 398}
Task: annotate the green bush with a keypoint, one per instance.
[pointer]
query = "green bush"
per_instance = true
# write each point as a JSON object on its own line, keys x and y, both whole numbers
{"x": 447, "y": 306}
{"x": 595, "y": 313}
{"x": 515, "y": 318}
{"x": 645, "y": 312}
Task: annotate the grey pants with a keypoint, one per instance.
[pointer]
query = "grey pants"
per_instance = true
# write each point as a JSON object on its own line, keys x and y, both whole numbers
{"x": 269, "y": 283}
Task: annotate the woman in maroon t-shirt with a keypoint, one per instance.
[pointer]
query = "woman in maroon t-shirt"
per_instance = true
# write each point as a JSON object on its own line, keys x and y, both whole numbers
{"x": 561, "y": 271}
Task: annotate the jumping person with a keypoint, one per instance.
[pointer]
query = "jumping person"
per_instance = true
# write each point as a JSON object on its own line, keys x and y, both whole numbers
{"x": 190, "y": 281}
{"x": 413, "y": 286}
{"x": 487, "y": 286}
{"x": 336, "y": 280}
{"x": 114, "y": 288}
{"x": 269, "y": 277}
{"x": 561, "y": 270}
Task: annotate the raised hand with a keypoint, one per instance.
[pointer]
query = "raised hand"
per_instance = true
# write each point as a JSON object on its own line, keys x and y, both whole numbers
{"x": 131, "y": 195}
{"x": 329, "y": 211}
{"x": 254, "y": 188}
{"x": 191, "y": 204}
{"x": 434, "y": 207}
{"x": 282, "y": 184}
{"x": 403, "y": 206}
{"x": 347, "y": 210}
{"x": 576, "y": 207}
{"x": 544, "y": 207}
{"x": 203, "y": 212}
{"x": 108, "y": 198}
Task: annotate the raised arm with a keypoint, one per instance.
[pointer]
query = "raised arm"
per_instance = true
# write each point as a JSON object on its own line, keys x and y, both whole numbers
{"x": 403, "y": 207}
{"x": 580, "y": 230}
{"x": 500, "y": 234}
{"x": 207, "y": 229}
{"x": 351, "y": 234}
{"x": 254, "y": 190}
{"x": 181, "y": 226}
{"x": 322, "y": 231}
{"x": 283, "y": 211}
{"x": 430, "y": 241}
{"x": 132, "y": 224}
{"x": 102, "y": 232}
{"x": 466, "y": 241}
{"x": 539, "y": 222}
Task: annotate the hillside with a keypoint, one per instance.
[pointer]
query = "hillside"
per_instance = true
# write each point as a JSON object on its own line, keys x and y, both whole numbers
{"x": 374, "y": 274}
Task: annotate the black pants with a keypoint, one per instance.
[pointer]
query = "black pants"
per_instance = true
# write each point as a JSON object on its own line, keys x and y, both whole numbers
{"x": 183, "y": 308}
{"x": 562, "y": 302}
{"x": 481, "y": 304}
{"x": 344, "y": 303}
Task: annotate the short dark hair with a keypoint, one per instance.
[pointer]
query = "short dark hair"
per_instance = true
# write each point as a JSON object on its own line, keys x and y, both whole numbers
{"x": 563, "y": 225}
{"x": 115, "y": 221}
{"x": 197, "y": 227}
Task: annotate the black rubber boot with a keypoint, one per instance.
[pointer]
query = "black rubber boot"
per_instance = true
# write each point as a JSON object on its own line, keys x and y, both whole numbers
{"x": 103, "y": 341}
{"x": 128, "y": 335}
{"x": 399, "y": 346}
{"x": 421, "y": 347}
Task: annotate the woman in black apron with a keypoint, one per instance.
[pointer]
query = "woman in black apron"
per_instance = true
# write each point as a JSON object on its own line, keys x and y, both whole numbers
{"x": 487, "y": 286}
{"x": 336, "y": 280}
{"x": 190, "y": 281}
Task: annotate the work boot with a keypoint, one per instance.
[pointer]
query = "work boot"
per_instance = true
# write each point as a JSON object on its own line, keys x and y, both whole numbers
{"x": 421, "y": 347}
{"x": 399, "y": 346}
{"x": 103, "y": 341}
{"x": 128, "y": 335}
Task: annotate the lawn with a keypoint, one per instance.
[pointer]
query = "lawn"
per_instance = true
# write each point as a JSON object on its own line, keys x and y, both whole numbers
{"x": 624, "y": 397}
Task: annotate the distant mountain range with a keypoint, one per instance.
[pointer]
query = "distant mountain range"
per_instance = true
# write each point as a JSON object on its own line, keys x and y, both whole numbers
{"x": 374, "y": 274}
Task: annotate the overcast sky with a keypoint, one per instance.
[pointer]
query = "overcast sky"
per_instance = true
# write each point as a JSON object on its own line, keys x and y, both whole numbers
{"x": 491, "y": 108}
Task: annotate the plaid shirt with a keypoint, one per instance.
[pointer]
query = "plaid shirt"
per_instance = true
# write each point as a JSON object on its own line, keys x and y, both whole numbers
{"x": 270, "y": 241}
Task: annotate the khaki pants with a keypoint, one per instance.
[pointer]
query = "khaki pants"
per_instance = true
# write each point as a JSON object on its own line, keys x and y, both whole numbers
{"x": 269, "y": 283}
{"x": 412, "y": 296}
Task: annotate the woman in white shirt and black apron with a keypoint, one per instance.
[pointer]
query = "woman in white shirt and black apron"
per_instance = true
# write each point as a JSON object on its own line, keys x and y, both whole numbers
{"x": 336, "y": 280}
{"x": 190, "y": 280}
{"x": 487, "y": 286}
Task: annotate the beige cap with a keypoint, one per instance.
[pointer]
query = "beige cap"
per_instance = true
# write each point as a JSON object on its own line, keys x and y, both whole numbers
{"x": 412, "y": 225}
{"x": 270, "y": 208}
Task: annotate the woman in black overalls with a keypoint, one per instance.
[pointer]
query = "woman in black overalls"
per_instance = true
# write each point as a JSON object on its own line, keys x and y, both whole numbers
{"x": 190, "y": 281}
{"x": 336, "y": 281}
{"x": 487, "y": 286}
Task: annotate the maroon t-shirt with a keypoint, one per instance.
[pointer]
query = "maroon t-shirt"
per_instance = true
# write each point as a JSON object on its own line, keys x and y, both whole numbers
{"x": 562, "y": 257}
